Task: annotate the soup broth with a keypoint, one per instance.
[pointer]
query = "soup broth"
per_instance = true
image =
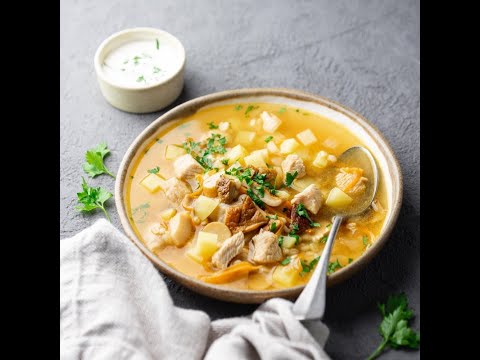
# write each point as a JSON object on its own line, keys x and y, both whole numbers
{"x": 243, "y": 196}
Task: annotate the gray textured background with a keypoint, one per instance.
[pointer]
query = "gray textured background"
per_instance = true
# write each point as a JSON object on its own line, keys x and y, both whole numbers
{"x": 364, "y": 54}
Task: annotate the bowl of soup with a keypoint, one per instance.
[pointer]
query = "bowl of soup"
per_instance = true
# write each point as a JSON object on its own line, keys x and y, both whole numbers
{"x": 232, "y": 194}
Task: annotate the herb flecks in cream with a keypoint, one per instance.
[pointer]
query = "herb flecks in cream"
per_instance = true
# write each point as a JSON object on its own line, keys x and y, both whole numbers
{"x": 141, "y": 63}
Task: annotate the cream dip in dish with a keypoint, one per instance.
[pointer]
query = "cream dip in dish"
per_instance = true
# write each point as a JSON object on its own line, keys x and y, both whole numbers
{"x": 140, "y": 70}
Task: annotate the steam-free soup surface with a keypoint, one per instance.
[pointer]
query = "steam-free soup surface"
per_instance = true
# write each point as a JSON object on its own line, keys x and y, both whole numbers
{"x": 243, "y": 196}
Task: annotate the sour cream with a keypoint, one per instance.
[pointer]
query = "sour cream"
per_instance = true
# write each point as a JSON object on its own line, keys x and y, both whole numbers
{"x": 141, "y": 63}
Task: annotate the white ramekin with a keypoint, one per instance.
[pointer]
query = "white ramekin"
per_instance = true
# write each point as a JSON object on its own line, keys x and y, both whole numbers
{"x": 145, "y": 99}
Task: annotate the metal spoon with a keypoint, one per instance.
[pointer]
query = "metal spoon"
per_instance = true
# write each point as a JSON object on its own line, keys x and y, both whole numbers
{"x": 310, "y": 304}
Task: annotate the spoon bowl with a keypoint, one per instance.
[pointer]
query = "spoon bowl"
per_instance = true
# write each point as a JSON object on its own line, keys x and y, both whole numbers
{"x": 310, "y": 305}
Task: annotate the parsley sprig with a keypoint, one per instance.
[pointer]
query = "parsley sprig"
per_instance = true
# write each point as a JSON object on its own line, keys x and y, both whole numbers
{"x": 394, "y": 327}
{"x": 92, "y": 198}
{"x": 307, "y": 267}
{"x": 215, "y": 144}
{"x": 290, "y": 177}
{"x": 94, "y": 157}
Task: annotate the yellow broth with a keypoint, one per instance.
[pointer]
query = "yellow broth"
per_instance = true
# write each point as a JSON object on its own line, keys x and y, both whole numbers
{"x": 144, "y": 207}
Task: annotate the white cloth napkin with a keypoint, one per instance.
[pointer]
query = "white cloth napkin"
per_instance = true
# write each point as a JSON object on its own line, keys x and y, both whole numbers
{"x": 115, "y": 305}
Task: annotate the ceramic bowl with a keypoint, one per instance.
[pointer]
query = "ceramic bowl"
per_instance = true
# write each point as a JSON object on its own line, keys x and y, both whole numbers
{"x": 372, "y": 138}
{"x": 140, "y": 99}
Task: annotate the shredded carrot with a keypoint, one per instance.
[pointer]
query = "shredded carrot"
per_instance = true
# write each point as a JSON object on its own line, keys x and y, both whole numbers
{"x": 231, "y": 273}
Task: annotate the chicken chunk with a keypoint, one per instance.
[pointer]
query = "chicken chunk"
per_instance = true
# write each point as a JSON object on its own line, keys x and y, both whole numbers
{"x": 294, "y": 163}
{"x": 230, "y": 248}
{"x": 300, "y": 222}
{"x": 210, "y": 185}
{"x": 264, "y": 248}
{"x": 270, "y": 122}
{"x": 181, "y": 228}
{"x": 227, "y": 191}
{"x": 310, "y": 197}
{"x": 244, "y": 215}
{"x": 175, "y": 190}
{"x": 351, "y": 181}
{"x": 186, "y": 167}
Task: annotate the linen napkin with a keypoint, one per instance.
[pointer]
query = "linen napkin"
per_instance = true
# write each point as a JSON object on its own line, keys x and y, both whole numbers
{"x": 115, "y": 305}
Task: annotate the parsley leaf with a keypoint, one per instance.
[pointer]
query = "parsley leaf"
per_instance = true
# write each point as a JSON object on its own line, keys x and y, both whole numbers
{"x": 92, "y": 198}
{"x": 273, "y": 227}
{"x": 157, "y": 43}
{"x": 155, "y": 170}
{"x": 307, "y": 267}
{"x": 286, "y": 261}
{"x": 282, "y": 110}
{"x": 394, "y": 327}
{"x": 290, "y": 177}
{"x": 238, "y": 107}
{"x": 273, "y": 217}
{"x": 268, "y": 139}
{"x": 302, "y": 211}
{"x": 324, "y": 239}
{"x": 250, "y": 108}
{"x": 333, "y": 266}
{"x": 365, "y": 240}
{"x": 224, "y": 161}
{"x": 280, "y": 241}
{"x": 255, "y": 198}
{"x": 350, "y": 260}
{"x": 211, "y": 125}
{"x": 94, "y": 157}
{"x": 141, "y": 78}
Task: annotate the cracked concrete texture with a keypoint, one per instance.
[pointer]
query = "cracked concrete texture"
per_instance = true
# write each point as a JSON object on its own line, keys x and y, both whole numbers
{"x": 364, "y": 54}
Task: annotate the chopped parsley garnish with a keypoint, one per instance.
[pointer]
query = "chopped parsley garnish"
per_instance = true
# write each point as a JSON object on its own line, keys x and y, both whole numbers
{"x": 350, "y": 260}
{"x": 200, "y": 152}
{"x": 135, "y": 59}
{"x": 293, "y": 233}
{"x": 268, "y": 139}
{"x": 307, "y": 267}
{"x": 324, "y": 239}
{"x": 224, "y": 161}
{"x": 290, "y": 177}
{"x": 286, "y": 261}
{"x": 211, "y": 125}
{"x": 273, "y": 227}
{"x": 141, "y": 78}
{"x": 155, "y": 170}
{"x": 156, "y": 70}
{"x": 280, "y": 241}
{"x": 238, "y": 107}
{"x": 328, "y": 225}
{"x": 250, "y": 108}
{"x": 255, "y": 198}
{"x": 297, "y": 110}
{"x": 157, "y": 43}
{"x": 333, "y": 266}
{"x": 273, "y": 217}
{"x": 365, "y": 240}
{"x": 282, "y": 110}
{"x": 302, "y": 211}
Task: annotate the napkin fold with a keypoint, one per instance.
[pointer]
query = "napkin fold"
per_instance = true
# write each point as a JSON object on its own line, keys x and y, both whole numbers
{"x": 115, "y": 305}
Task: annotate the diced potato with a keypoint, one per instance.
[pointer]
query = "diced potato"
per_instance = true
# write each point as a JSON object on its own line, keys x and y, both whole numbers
{"x": 168, "y": 214}
{"x": 337, "y": 199}
{"x": 245, "y": 137}
{"x": 321, "y": 160}
{"x": 218, "y": 228}
{"x": 152, "y": 182}
{"x": 277, "y": 161}
{"x": 237, "y": 153}
{"x": 279, "y": 178}
{"x": 174, "y": 151}
{"x": 270, "y": 122}
{"x": 256, "y": 158}
{"x": 207, "y": 244}
{"x": 307, "y": 137}
{"x": 289, "y": 146}
{"x": 278, "y": 137}
{"x": 204, "y": 206}
{"x": 288, "y": 242}
{"x": 286, "y": 276}
{"x": 273, "y": 148}
{"x": 302, "y": 184}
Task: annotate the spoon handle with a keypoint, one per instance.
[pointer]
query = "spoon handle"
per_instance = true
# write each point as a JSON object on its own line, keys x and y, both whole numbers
{"x": 311, "y": 302}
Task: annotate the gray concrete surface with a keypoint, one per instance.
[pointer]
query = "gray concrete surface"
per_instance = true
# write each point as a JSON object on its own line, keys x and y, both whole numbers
{"x": 364, "y": 54}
